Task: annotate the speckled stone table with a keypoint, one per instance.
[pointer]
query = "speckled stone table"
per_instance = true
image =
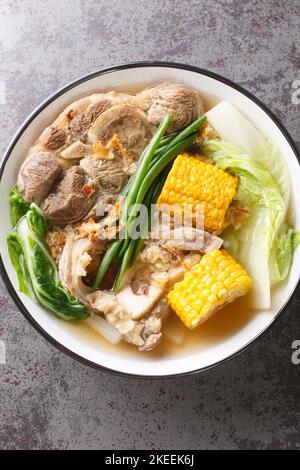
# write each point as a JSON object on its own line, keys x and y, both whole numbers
{"x": 48, "y": 400}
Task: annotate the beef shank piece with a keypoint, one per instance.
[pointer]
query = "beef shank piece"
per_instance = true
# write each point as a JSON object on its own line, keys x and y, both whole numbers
{"x": 128, "y": 122}
{"x": 81, "y": 123}
{"x": 74, "y": 121}
{"x": 108, "y": 174}
{"x": 180, "y": 101}
{"x": 69, "y": 201}
{"x": 37, "y": 175}
{"x": 56, "y": 135}
{"x": 110, "y": 178}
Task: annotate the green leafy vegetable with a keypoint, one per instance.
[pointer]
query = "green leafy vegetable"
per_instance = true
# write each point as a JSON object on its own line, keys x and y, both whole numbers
{"x": 37, "y": 222}
{"x": 269, "y": 157}
{"x": 18, "y": 207}
{"x": 35, "y": 267}
{"x": 16, "y": 254}
{"x": 282, "y": 253}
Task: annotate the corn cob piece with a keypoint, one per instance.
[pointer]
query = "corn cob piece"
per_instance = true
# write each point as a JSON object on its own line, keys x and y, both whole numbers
{"x": 217, "y": 280}
{"x": 194, "y": 181}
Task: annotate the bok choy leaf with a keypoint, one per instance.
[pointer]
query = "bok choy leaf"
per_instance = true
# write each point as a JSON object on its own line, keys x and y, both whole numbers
{"x": 18, "y": 206}
{"x": 36, "y": 268}
{"x": 15, "y": 249}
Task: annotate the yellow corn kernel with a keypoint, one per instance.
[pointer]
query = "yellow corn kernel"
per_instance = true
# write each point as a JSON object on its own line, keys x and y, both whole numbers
{"x": 193, "y": 181}
{"x": 194, "y": 299}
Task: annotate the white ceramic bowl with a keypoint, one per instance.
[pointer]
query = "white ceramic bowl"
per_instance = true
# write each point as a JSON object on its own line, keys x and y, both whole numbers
{"x": 65, "y": 336}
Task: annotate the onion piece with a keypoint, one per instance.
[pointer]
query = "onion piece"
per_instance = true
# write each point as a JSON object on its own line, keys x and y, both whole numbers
{"x": 102, "y": 326}
{"x": 175, "y": 333}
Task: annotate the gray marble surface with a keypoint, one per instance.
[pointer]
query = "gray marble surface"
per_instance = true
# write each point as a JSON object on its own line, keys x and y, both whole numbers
{"x": 48, "y": 400}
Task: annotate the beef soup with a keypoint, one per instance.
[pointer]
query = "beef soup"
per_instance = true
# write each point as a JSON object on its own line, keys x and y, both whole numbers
{"x": 164, "y": 146}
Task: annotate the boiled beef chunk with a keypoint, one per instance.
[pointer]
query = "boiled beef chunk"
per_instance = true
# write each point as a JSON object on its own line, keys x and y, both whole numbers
{"x": 37, "y": 175}
{"x": 71, "y": 198}
{"x": 128, "y": 122}
{"x": 108, "y": 174}
{"x": 82, "y": 122}
{"x": 110, "y": 177}
{"x": 180, "y": 101}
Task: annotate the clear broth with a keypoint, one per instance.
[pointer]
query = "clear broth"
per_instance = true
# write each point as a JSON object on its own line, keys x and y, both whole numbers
{"x": 217, "y": 328}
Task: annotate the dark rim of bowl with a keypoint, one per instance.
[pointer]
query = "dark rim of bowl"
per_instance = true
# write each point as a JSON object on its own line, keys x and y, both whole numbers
{"x": 28, "y": 121}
